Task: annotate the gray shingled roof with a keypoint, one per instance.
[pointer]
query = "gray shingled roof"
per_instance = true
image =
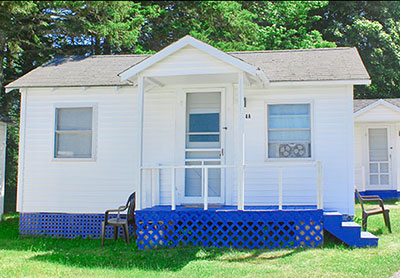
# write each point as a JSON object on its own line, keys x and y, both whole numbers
{"x": 97, "y": 70}
{"x": 359, "y": 104}
{"x": 308, "y": 64}
{"x": 323, "y": 64}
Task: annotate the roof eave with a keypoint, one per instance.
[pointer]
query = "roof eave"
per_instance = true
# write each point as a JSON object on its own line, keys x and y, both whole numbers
{"x": 9, "y": 89}
{"x": 320, "y": 82}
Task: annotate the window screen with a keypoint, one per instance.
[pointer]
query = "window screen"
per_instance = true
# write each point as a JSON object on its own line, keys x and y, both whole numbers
{"x": 289, "y": 131}
{"x": 73, "y": 135}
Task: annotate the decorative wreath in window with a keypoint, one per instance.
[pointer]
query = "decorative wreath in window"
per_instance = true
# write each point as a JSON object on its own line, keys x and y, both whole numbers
{"x": 292, "y": 150}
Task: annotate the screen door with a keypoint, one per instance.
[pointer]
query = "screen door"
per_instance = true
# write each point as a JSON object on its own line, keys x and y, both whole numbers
{"x": 379, "y": 166}
{"x": 203, "y": 146}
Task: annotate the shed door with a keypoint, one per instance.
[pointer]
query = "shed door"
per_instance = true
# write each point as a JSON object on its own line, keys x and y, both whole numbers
{"x": 379, "y": 158}
{"x": 203, "y": 146}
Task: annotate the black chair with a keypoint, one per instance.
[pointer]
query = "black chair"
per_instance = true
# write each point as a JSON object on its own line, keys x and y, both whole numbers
{"x": 118, "y": 222}
{"x": 378, "y": 210}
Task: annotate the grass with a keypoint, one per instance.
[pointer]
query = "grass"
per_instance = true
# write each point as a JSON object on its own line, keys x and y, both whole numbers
{"x": 46, "y": 257}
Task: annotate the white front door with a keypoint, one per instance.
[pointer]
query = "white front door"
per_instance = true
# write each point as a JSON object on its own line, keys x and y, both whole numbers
{"x": 378, "y": 159}
{"x": 204, "y": 146}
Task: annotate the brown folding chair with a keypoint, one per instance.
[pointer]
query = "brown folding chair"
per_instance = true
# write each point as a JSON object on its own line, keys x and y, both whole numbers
{"x": 377, "y": 210}
{"x": 118, "y": 222}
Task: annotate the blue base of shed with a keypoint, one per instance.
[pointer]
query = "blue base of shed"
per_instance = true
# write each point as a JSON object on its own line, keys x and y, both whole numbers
{"x": 255, "y": 227}
{"x": 383, "y": 194}
{"x": 64, "y": 225}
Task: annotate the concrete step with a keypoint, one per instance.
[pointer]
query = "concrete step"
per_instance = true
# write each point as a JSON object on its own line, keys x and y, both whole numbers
{"x": 350, "y": 225}
{"x": 368, "y": 235}
{"x": 347, "y": 231}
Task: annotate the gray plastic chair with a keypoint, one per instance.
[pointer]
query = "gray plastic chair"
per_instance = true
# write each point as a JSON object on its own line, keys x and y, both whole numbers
{"x": 121, "y": 222}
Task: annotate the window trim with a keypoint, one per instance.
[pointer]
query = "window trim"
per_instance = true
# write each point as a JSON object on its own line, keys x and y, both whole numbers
{"x": 94, "y": 107}
{"x": 312, "y": 129}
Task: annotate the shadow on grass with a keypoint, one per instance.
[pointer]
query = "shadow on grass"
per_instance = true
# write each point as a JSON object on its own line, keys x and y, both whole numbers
{"x": 87, "y": 253}
{"x": 386, "y": 202}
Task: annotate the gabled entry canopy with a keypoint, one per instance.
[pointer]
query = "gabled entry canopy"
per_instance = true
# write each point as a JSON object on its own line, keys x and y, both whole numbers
{"x": 189, "y": 43}
{"x": 377, "y": 110}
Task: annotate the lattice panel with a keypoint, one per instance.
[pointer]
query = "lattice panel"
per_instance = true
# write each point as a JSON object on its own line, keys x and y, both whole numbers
{"x": 64, "y": 225}
{"x": 239, "y": 229}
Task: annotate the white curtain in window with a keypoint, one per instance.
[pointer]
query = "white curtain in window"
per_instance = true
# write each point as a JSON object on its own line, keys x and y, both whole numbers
{"x": 289, "y": 130}
{"x": 73, "y": 132}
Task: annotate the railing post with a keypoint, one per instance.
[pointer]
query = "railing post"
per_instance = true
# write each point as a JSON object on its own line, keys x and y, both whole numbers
{"x": 205, "y": 188}
{"x": 319, "y": 185}
{"x": 139, "y": 146}
{"x": 241, "y": 142}
{"x": 173, "y": 204}
{"x": 280, "y": 188}
{"x": 152, "y": 187}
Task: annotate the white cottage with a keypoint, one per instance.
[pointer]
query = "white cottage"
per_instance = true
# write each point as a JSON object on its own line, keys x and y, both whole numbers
{"x": 196, "y": 132}
{"x": 377, "y": 147}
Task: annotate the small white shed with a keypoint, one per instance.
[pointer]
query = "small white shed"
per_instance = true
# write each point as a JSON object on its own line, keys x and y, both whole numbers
{"x": 3, "y": 139}
{"x": 377, "y": 146}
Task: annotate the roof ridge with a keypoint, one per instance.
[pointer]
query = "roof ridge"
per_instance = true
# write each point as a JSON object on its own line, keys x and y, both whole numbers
{"x": 290, "y": 50}
{"x": 120, "y": 55}
{"x": 376, "y": 99}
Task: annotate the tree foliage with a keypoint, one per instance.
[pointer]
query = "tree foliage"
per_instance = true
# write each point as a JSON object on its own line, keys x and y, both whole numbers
{"x": 236, "y": 26}
{"x": 374, "y": 28}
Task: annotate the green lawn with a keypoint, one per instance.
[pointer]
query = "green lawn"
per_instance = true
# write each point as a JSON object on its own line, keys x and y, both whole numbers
{"x": 45, "y": 257}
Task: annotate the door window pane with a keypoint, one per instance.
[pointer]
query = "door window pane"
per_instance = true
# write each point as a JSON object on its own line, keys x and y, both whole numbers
{"x": 193, "y": 182}
{"x": 378, "y": 144}
{"x": 384, "y": 179}
{"x": 384, "y": 167}
{"x": 373, "y": 167}
{"x": 373, "y": 179}
{"x": 205, "y": 122}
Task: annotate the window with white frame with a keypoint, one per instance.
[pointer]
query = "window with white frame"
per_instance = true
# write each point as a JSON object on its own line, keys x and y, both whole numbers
{"x": 73, "y": 132}
{"x": 289, "y": 131}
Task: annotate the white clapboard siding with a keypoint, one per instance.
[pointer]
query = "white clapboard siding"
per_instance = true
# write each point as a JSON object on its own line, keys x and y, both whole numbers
{"x": 93, "y": 186}
{"x": 52, "y": 185}
{"x": 189, "y": 60}
{"x": 332, "y": 121}
{"x": 83, "y": 187}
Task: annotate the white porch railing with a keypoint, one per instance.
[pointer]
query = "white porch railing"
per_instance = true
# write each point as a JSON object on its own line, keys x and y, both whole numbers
{"x": 205, "y": 170}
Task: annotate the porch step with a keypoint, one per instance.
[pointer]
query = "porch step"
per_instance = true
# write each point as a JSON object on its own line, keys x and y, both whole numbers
{"x": 347, "y": 231}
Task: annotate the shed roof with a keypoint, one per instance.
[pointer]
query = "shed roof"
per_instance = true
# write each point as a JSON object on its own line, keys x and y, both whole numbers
{"x": 359, "y": 104}
{"x": 323, "y": 64}
{"x": 5, "y": 119}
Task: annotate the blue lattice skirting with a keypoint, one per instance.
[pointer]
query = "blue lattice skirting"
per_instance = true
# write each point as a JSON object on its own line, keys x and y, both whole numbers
{"x": 238, "y": 229}
{"x": 64, "y": 225}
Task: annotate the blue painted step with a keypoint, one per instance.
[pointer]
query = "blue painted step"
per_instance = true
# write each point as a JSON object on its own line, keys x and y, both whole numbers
{"x": 348, "y": 232}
